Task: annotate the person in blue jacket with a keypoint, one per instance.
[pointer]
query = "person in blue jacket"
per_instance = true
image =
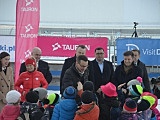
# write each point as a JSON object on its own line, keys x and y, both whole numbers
{"x": 66, "y": 108}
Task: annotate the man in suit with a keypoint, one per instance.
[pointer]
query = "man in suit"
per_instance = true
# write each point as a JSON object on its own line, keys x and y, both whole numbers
{"x": 81, "y": 50}
{"x": 42, "y": 66}
{"x": 103, "y": 73}
{"x": 103, "y": 69}
{"x": 137, "y": 62}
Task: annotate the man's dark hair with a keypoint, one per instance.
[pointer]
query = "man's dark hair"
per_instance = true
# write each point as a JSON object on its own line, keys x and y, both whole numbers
{"x": 135, "y": 50}
{"x": 128, "y": 53}
{"x": 81, "y": 57}
{"x": 81, "y": 46}
{"x": 98, "y": 48}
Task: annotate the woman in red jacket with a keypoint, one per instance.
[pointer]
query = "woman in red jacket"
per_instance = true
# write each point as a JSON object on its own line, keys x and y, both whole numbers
{"x": 30, "y": 79}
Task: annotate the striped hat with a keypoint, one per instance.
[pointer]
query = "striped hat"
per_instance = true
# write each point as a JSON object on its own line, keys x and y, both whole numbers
{"x": 130, "y": 106}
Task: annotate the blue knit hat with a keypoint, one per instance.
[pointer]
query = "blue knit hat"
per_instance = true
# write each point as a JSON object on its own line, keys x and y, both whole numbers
{"x": 70, "y": 93}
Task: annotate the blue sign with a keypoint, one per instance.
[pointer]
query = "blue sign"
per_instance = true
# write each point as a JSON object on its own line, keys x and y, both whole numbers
{"x": 149, "y": 49}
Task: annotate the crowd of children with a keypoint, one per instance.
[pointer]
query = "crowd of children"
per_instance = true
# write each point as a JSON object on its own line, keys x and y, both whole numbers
{"x": 29, "y": 101}
{"x": 38, "y": 105}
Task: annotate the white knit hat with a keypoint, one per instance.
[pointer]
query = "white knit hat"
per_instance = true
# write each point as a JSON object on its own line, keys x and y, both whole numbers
{"x": 13, "y": 96}
{"x": 137, "y": 81}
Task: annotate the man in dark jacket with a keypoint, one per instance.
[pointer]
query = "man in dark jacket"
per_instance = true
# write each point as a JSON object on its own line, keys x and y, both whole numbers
{"x": 42, "y": 66}
{"x": 127, "y": 70}
{"x": 137, "y": 62}
{"x": 81, "y": 50}
{"x": 103, "y": 73}
{"x": 103, "y": 69}
{"x": 78, "y": 72}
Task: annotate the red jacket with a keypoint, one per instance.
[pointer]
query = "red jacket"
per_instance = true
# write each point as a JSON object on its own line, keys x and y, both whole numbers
{"x": 10, "y": 112}
{"x": 87, "y": 112}
{"x": 30, "y": 80}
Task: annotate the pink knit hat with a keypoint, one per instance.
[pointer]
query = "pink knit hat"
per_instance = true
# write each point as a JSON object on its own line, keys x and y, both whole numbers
{"x": 109, "y": 89}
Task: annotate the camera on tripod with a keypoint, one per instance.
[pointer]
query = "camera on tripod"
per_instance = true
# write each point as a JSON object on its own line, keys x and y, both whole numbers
{"x": 135, "y": 32}
{"x": 135, "y": 23}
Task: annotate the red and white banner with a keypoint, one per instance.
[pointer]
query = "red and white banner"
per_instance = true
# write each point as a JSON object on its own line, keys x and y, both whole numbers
{"x": 66, "y": 46}
{"x": 27, "y": 25}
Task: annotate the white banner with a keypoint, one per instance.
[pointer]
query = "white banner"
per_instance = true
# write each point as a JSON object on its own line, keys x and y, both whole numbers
{"x": 7, "y": 44}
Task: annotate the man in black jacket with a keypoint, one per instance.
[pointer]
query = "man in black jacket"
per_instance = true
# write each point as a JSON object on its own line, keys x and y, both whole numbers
{"x": 81, "y": 50}
{"x": 103, "y": 73}
{"x": 42, "y": 66}
{"x": 137, "y": 62}
{"x": 127, "y": 70}
{"x": 78, "y": 72}
{"x": 103, "y": 69}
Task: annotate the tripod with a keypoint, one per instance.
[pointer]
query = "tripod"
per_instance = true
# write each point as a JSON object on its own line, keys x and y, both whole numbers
{"x": 135, "y": 31}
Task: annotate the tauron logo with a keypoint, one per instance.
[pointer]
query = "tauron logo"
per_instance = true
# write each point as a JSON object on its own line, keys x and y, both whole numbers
{"x": 27, "y": 53}
{"x": 56, "y": 46}
{"x": 28, "y": 2}
{"x": 28, "y": 28}
{"x": 132, "y": 47}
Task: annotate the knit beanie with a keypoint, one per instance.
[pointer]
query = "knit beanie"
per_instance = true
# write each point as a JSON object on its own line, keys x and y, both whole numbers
{"x": 30, "y": 61}
{"x": 137, "y": 81}
{"x": 88, "y": 85}
{"x": 53, "y": 98}
{"x": 42, "y": 92}
{"x": 109, "y": 90}
{"x": 32, "y": 96}
{"x": 3, "y": 55}
{"x": 135, "y": 90}
{"x": 130, "y": 106}
{"x": 87, "y": 97}
{"x": 13, "y": 96}
{"x": 70, "y": 93}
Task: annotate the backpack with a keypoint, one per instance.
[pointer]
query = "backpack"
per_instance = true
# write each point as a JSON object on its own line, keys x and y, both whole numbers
{"x": 34, "y": 114}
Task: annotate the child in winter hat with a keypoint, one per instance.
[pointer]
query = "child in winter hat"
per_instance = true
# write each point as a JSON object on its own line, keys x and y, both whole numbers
{"x": 12, "y": 110}
{"x": 66, "y": 108}
{"x": 135, "y": 90}
{"x": 31, "y": 107}
{"x": 130, "y": 106}
{"x": 49, "y": 105}
{"x": 13, "y": 97}
{"x": 148, "y": 101}
{"x": 42, "y": 92}
{"x": 30, "y": 79}
{"x": 88, "y": 85}
{"x": 109, "y": 100}
{"x": 32, "y": 96}
{"x": 137, "y": 81}
{"x": 53, "y": 98}
{"x": 87, "y": 97}
{"x": 129, "y": 110}
{"x": 70, "y": 93}
{"x": 88, "y": 110}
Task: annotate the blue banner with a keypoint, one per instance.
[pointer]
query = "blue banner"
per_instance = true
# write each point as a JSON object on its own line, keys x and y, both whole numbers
{"x": 149, "y": 49}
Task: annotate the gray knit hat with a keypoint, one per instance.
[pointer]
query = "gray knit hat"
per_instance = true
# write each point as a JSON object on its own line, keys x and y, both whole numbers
{"x": 42, "y": 92}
